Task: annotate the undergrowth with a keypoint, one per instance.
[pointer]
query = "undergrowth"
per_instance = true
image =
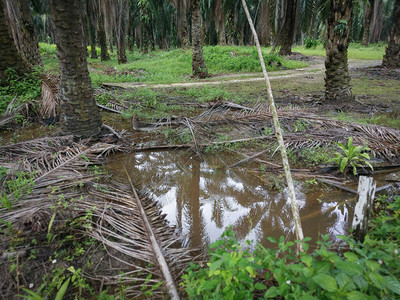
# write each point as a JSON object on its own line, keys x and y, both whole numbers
{"x": 19, "y": 89}
{"x": 366, "y": 271}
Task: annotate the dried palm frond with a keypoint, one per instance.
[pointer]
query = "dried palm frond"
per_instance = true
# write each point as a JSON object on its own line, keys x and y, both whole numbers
{"x": 115, "y": 219}
{"x": 305, "y": 129}
{"x": 50, "y": 102}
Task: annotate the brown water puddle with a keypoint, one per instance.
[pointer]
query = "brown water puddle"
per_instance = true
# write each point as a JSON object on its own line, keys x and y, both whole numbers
{"x": 202, "y": 199}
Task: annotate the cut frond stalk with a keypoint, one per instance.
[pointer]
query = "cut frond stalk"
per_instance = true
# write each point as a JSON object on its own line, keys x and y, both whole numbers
{"x": 172, "y": 290}
{"x": 278, "y": 133}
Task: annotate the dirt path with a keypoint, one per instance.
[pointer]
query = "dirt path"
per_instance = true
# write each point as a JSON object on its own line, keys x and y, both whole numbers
{"x": 316, "y": 67}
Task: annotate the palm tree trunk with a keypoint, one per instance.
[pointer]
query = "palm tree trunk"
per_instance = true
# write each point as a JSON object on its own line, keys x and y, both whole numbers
{"x": 24, "y": 32}
{"x": 367, "y": 21}
{"x": 287, "y": 31}
{"x": 79, "y": 113}
{"x": 91, "y": 15}
{"x": 230, "y": 28}
{"x": 144, "y": 17}
{"x": 337, "y": 79}
{"x": 198, "y": 65}
{"x": 10, "y": 57}
{"x": 220, "y": 22}
{"x": 102, "y": 38}
{"x": 120, "y": 31}
{"x": 152, "y": 36}
{"x": 392, "y": 56}
{"x": 377, "y": 21}
{"x": 263, "y": 25}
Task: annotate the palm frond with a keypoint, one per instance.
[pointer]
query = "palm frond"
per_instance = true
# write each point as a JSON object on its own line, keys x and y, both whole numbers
{"x": 116, "y": 222}
{"x": 50, "y": 101}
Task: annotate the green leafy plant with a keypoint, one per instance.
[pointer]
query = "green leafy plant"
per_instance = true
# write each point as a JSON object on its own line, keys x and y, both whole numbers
{"x": 230, "y": 272}
{"x": 23, "y": 89}
{"x": 354, "y": 156}
{"x": 310, "y": 43}
{"x": 368, "y": 271}
{"x": 341, "y": 27}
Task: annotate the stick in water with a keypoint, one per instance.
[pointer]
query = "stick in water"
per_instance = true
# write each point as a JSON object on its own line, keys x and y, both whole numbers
{"x": 278, "y": 133}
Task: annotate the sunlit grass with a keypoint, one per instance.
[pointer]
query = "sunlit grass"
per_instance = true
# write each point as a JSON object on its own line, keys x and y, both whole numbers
{"x": 356, "y": 51}
{"x": 175, "y": 65}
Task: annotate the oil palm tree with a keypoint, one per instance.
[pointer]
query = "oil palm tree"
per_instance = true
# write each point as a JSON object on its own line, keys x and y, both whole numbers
{"x": 392, "y": 56}
{"x": 337, "y": 79}
{"x": 104, "y": 56}
{"x": 368, "y": 12}
{"x": 91, "y": 8}
{"x": 289, "y": 22}
{"x": 24, "y": 31}
{"x": 79, "y": 113}
{"x": 10, "y": 57}
{"x": 198, "y": 64}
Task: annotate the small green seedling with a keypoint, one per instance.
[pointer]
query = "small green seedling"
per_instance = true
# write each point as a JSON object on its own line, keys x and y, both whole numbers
{"x": 354, "y": 156}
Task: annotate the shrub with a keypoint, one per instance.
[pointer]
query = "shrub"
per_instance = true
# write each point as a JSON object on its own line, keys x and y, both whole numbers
{"x": 310, "y": 43}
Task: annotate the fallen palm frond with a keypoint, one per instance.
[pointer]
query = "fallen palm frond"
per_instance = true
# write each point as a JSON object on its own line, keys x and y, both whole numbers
{"x": 303, "y": 129}
{"x": 50, "y": 100}
{"x": 63, "y": 190}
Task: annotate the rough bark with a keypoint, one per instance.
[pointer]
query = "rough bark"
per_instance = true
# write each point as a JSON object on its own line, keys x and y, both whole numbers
{"x": 79, "y": 113}
{"x": 392, "y": 56}
{"x": 230, "y": 27}
{"x": 102, "y": 38}
{"x": 183, "y": 30}
{"x": 144, "y": 18}
{"x": 220, "y": 22}
{"x": 131, "y": 33}
{"x": 91, "y": 17}
{"x": 198, "y": 65}
{"x": 9, "y": 55}
{"x": 120, "y": 31}
{"x": 264, "y": 30}
{"x": 152, "y": 36}
{"x": 367, "y": 21}
{"x": 287, "y": 32}
{"x": 337, "y": 79}
{"x": 24, "y": 32}
{"x": 377, "y": 21}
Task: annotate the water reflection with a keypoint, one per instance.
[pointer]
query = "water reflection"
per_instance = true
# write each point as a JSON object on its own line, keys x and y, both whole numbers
{"x": 202, "y": 199}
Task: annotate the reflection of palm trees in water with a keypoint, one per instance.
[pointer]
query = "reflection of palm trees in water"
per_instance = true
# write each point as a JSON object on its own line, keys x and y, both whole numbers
{"x": 205, "y": 201}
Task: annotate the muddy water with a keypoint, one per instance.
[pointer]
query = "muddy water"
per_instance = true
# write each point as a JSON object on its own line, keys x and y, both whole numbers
{"x": 202, "y": 198}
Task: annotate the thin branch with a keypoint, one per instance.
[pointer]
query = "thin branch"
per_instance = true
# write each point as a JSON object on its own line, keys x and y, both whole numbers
{"x": 278, "y": 133}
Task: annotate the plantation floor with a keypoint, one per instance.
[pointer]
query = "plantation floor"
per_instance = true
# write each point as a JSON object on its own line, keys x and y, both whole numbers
{"x": 316, "y": 67}
{"x": 201, "y": 196}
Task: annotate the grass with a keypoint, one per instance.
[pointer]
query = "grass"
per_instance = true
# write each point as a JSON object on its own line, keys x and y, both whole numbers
{"x": 356, "y": 51}
{"x": 174, "y": 65}
{"x": 389, "y": 120}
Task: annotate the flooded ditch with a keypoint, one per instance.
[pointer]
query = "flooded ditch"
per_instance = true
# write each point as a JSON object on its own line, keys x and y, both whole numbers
{"x": 202, "y": 197}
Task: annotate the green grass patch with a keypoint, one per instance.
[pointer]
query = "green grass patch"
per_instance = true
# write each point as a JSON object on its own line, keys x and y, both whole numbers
{"x": 389, "y": 120}
{"x": 356, "y": 51}
{"x": 174, "y": 65}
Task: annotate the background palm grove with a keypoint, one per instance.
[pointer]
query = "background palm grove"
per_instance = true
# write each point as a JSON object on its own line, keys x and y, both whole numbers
{"x": 154, "y": 70}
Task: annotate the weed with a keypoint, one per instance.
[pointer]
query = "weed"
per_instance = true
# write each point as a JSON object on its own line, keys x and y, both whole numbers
{"x": 310, "y": 43}
{"x": 312, "y": 157}
{"x": 353, "y": 156}
{"x": 23, "y": 89}
{"x": 21, "y": 184}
